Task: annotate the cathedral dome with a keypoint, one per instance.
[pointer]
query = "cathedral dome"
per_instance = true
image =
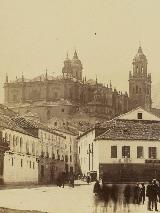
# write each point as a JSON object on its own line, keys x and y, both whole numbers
{"x": 139, "y": 56}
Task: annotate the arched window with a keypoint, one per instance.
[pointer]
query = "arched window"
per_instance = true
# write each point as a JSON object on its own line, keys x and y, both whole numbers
{"x": 27, "y": 147}
{"x": 10, "y": 141}
{"x": 17, "y": 143}
{"x": 47, "y": 153}
{"x": 6, "y": 137}
{"x": 21, "y": 144}
{"x": 33, "y": 148}
{"x": 14, "y": 142}
{"x": 142, "y": 69}
{"x": 137, "y": 69}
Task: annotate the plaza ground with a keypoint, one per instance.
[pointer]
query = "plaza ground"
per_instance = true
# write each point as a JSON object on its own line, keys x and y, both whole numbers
{"x": 53, "y": 199}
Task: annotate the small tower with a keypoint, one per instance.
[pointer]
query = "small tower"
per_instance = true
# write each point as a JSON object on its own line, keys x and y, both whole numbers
{"x": 76, "y": 67}
{"x": 6, "y": 78}
{"x": 140, "y": 83}
{"x": 67, "y": 70}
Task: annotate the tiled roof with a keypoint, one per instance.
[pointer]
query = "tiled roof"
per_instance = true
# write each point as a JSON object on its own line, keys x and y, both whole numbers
{"x": 8, "y": 123}
{"x": 30, "y": 124}
{"x": 131, "y": 130}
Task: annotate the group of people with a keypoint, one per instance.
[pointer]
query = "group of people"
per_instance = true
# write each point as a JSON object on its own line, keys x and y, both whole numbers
{"x": 63, "y": 178}
{"x": 152, "y": 191}
{"x": 134, "y": 194}
{"x": 153, "y": 194}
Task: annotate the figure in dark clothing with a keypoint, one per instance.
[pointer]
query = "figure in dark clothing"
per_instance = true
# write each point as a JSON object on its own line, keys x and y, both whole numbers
{"x": 149, "y": 194}
{"x": 97, "y": 188}
{"x": 159, "y": 192}
{"x": 72, "y": 180}
{"x": 155, "y": 194}
{"x": 127, "y": 194}
{"x": 106, "y": 195}
{"x": 136, "y": 198}
{"x": 88, "y": 179}
{"x": 59, "y": 181}
{"x": 114, "y": 196}
{"x": 63, "y": 176}
{"x": 142, "y": 193}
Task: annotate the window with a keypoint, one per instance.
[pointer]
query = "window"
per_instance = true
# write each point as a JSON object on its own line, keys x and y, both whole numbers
{"x": 6, "y": 137}
{"x": 79, "y": 149}
{"x": 136, "y": 89}
{"x": 30, "y": 164}
{"x": 70, "y": 158}
{"x": 33, "y": 148}
{"x": 21, "y": 144}
{"x": 21, "y": 162}
{"x": 27, "y": 147}
{"x": 139, "y": 115}
{"x": 139, "y": 151}
{"x": 33, "y": 165}
{"x": 70, "y": 149}
{"x": 12, "y": 161}
{"x": 152, "y": 152}
{"x": 113, "y": 151}
{"x": 55, "y": 123}
{"x": 126, "y": 151}
{"x": 62, "y": 110}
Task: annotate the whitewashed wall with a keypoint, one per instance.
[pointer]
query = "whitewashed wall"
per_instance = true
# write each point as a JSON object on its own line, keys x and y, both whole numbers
{"x": 15, "y": 172}
{"x": 104, "y": 147}
{"x": 83, "y": 146}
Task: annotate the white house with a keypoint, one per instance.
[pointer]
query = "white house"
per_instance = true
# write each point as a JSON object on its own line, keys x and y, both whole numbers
{"x": 128, "y": 149}
{"x": 36, "y": 152}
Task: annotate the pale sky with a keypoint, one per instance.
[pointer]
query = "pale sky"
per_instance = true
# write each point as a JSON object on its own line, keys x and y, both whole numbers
{"x": 35, "y": 34}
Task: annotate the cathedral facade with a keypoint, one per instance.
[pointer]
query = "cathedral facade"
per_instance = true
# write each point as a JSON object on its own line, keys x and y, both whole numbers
{"x": 50, "y": 96}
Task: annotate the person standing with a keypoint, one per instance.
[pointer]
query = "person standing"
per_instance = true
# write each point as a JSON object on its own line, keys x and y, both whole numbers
{"x": 88, "y": 179}
{"x": 155, "y": 194}
{"x": 63, "y": 177}
{"x": 72, "y": 180}
{"x": 97, "y": 188}
{"x": 149, "y": 194}
{"x": 137, "y": 194}
{"x": 142, "y": 193}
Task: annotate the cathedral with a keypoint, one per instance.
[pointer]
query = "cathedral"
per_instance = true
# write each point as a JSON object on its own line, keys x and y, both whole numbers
{"x": 71, "y": 93}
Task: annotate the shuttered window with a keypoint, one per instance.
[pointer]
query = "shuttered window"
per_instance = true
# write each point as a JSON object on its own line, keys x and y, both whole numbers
{"x": 139, "y": 151}
{"x": 113, "y": 151}
{"x": 152, "y": 152}
{"x": 126, "y": 151}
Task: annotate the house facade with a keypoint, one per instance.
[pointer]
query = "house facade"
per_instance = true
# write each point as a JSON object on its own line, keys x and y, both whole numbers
{"x": 126, "y": 148}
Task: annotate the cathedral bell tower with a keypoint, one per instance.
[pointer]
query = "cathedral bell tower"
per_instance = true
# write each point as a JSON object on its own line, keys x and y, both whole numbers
{"x": 140, "y": 83}
{"x": 76, "y": 67}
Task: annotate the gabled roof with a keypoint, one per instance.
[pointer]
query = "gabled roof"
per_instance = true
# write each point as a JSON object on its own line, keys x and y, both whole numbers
{"x": 128, "y": 127}
{"x": 132, "y": 115}
{"x": 131, "y": 130}
{"x": 29, "y": 124}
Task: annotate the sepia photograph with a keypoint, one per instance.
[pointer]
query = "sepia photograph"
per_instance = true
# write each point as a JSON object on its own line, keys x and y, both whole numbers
{"x": 79, "y": 106}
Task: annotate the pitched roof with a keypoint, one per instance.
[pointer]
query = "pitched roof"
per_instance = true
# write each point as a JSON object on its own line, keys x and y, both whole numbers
{"x": 29, "y": 124}
{"x": 8, "y": 123}
{"x": 131, "y": 130}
